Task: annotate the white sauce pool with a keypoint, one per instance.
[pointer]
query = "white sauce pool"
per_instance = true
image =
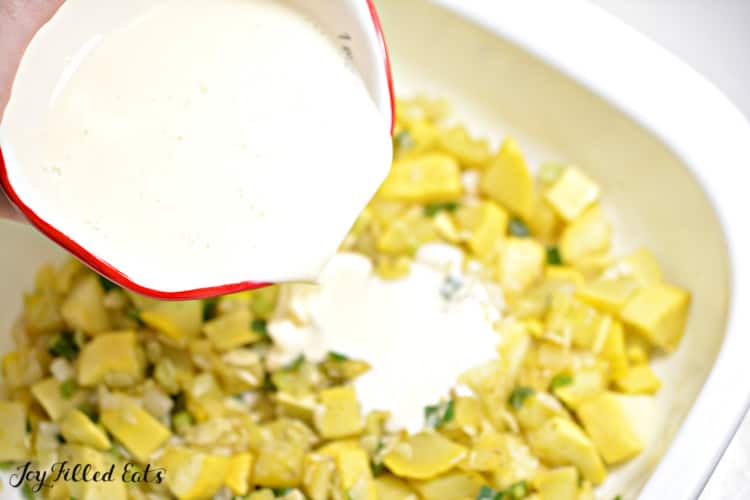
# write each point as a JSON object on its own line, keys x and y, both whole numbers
{"x": 201, "y": 143}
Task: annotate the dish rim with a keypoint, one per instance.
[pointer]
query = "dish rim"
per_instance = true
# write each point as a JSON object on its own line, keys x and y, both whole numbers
{"x": 707, "y": 147}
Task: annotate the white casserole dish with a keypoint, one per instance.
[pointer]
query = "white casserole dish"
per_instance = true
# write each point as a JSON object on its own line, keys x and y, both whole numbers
{"x": 572, "y": 83}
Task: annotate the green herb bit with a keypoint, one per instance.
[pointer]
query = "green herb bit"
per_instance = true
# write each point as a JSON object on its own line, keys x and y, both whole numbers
{"x": 560, "y": 380}
{"x": 107, "y": 285}
{"x": 432, "y": 209}
{"x": 553, "y": 256}
{"x": 181, "y": 421}
{"x": 516, "y": 491}
{"x": 68, "y": 388}
{"x": 26, "y": 491}
{"x": 64, "y": 346}
{"x": 335, "y": 356}
{"x": 259, "y": 326}
{"x": 209, "y": 308}
{"x": 403, "y": 140}
{"x": 519, "y": 395}
{"x": 436, "y": 416}
{"x": 486, "y": 493}
{"x": 5, "y": 466}
{"x": 294, "y": 365}
{"x": 618, "y": 497}
{"x": 280, "y": 492}
{"x": 517, "y": 227}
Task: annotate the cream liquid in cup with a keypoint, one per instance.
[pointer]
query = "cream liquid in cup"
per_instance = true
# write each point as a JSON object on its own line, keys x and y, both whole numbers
{"x": 203, "y": 142}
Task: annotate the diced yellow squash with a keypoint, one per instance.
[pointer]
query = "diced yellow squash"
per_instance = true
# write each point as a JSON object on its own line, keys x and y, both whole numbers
{"x": 613, "y": 350}
{"x": 339, "y": 415}
{"x": 417, "y": 138}
{"x": 264, "y": 494}
{"x": 521, "y": 264}
{"x": 492, "y": 382}
{"x": 610, "y": 429}
{"x": 574, "y": 321}
{"x": 507, "y": 180}
{"x": 537, "y": 409}
{"x": 47, "y": 392}
{"x": 41, "y": 312}
{"x": 445, "y": 227}
{"x": 638, "y": 379}
{"x": 587, "y": 235}
{"x": 137, "y": 430}
{"x": 642, "y": 266}
{"x": 233, "y": 302}
{"x": 238, "y": 473}
{"x": 470, "y": 152}
{"x": 114, "y": 358}
{"x": 486, "y": 225}
{"x": 279, "y": 464}
{"x": 21, "y": 368}
{"x": 456, "y": 485}
{"x": 393, "y": 488}
{"x": 609, "y": 295}
{"x": 561, "y": 442}
{"x": 587, "y": 382}
{"x": 572, "y": 193}
{"x": 193, "y": 475}
{"x": 334, "y": 448}
{"x": 467, "y": 418}
{"x": 424, "y": 455}
{"x": 563, "y": 275}
{"x": 557, "y": 484}
{"x": 317, "y": 481}
{"x": 76, "y": 427}
{"x": 536, "y": 300}
{"x": 231, "y": 330}
{"x": 423, "y": 179}
{"x": 83, "y": 308}
{"x": 91, "y": 490}
{"x": 544, "y": 223}
{"x": 178, "y": 321}
{"x": 301, "y": 407}
{"x": 659, "y": 312}
{"x": 637, "y": 348}
{"x": 13, "y": 438}
{"x": 355, "y": 475}
{"x": 391, "y": 268}
{"x": 263, "y": 301}
{"x": 406, "y": 233}
{"x": 518, "y": 462}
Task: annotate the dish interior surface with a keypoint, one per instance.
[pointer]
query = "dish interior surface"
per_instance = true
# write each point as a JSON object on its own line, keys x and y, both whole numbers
{"x": 497, "y": 89}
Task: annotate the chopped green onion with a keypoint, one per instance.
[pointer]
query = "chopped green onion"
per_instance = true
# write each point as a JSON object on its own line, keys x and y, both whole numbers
{"x": 295, "y": 364}
{"x": 517, "y": 227}
{"x": 107, "y": 285}
{"x": 209, "y": 308}
{"x": 618, "y": 497}
{"x": 486, "y": 493}
{"x": 6, "y": 465}
{"x": 26, "y": 491}
{"x": 553, "y": 256}
{"x": 68, "y": 388}
{"x": 516, "y": 491}
{"x": 432, "y": 209}
{"x": 280, "y": 492}
{"x": 560, "y": 380}
{"x": 259, "y": 326}
{"x": 181, "y": 421}
{"x": 519, "y": 395}
{"x": 403, "y": 140}
{"x": 436, "y": 416}
{"x": 64, "y": 345}
{"x": 337, "y": 356}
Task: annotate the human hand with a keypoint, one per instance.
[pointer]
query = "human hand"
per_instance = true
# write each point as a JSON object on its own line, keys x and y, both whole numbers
{"x": 19, "y": 22}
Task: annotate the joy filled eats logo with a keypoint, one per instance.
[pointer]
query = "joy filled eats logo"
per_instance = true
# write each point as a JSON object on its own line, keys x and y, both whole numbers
{"x": 35, "y": 479}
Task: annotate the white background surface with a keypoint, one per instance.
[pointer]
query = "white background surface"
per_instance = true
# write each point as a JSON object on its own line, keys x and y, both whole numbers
{"x": 714, "y": 37}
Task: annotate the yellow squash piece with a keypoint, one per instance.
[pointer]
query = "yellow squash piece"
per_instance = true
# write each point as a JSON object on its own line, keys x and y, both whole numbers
{"x": 114, "y": 358}
{"x": 638, "y": 379}
{"x": 231, "y": 330}
{"x": 355, "y": 475}
{"x": 457, "y": 485}
{"x": 406, "y": 233}
{"x": 606, "y": 421}
{"x": 279, "y": 465}
{"x": 658, "y": 312}
{"x": 557, "y": 484}
{"x": 77, "y": 428}
{"x": 317, "y": 481}
{"x": 586, "y": 383}
{"x": 573, "y": 321}
{"x": 609, "y": 295}
{"x": 589, "y": 235}
{"x": 572, "y": 193}
{"x": 544, "y": 223}
{"x": 637, "y": 348}
{"x": 192, "y": 475}
{"x": 264, "y": 494}
{"x": 48, "y": 393}
{"x": 507, "y": 181}
{"x": 470, "y": 152}
{"x": 393, "y": 488}
{"x": 485, "y": 224}
{"x": 518, "y": 462}
{"x": 13, "y": 439}
{"x": 339, "y": 415}
{"x": 91, "y": 490}
{"x": 423, "y": 179}
{"x": 521, "y": 264}
{"x": 178, "y": 321}
{"x": 424, "y": 455}
{"x": 613, "y": 350}
{"x": 83, "y": 309}
{"x": 238, "y": 473}
{"x": 642, "y": 266}
{"x": 137, "y": 430}
{"x": 537, "y": 409}
{"x": 21, "y": 367}
{"x": 561, "y": 442}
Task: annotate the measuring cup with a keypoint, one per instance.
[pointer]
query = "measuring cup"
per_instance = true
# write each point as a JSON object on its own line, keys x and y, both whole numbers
{"x": 353, "y": 24}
